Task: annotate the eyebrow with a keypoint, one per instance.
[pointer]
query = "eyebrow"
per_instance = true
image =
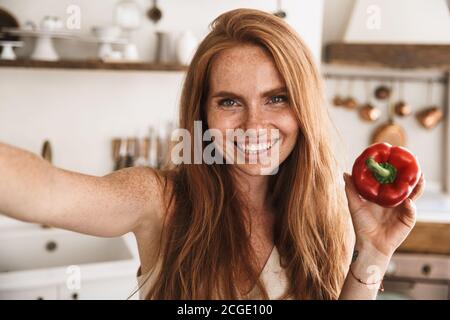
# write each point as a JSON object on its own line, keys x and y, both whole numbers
{"x": 235, "y": 95}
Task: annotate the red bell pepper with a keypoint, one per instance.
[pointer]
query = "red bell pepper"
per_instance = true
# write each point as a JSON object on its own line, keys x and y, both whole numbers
{"x": 386, "y": 174}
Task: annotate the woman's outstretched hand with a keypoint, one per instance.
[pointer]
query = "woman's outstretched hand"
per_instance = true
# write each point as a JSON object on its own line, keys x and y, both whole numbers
{"x": 383, "y": 228}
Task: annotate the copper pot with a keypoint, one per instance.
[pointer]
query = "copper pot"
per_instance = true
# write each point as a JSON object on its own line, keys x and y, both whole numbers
{"x": 430, "y": 117}
{"x": 369, "y": 113}
{"x": 402, "y": 109}
{"x": 382, "y": 92}
{"x": 338, "y": 101}
{"x": 350, "y": 103}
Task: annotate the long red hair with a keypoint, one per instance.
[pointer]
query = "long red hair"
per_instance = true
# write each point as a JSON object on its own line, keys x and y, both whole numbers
{"x": 205, "y": 244}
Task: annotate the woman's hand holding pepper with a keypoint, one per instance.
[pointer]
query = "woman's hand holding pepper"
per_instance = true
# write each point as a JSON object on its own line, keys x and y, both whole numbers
{"x": 386, "y": 180}
{"x": 383, "y": 228}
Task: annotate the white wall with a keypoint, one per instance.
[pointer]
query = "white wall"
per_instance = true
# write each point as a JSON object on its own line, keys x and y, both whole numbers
{"x": 80, "y": 111}
{"x": 355, "y": 133}
{"x": 337, "y": 15}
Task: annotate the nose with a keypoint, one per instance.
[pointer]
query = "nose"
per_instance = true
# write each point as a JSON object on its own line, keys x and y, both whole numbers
{"x": 254, "y": 118}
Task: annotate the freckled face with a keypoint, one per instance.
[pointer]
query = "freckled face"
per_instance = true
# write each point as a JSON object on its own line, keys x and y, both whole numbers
{"x": 247, "y": 92}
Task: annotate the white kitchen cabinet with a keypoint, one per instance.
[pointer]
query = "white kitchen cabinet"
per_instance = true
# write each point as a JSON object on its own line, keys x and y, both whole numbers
{"x": 106, "y": 289}
{"x": 31, "y": 268}
{"x": 44, "y": 293}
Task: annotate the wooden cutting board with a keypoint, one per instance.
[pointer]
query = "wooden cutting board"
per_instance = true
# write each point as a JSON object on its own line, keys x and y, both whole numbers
{"x": 427, "y": 237}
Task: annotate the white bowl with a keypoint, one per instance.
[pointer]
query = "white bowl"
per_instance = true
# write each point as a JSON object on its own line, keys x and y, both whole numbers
{"x": 106, "y": 33}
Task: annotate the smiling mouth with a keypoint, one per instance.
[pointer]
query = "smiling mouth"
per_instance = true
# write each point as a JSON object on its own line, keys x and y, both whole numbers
{"x": 256, "y": 148}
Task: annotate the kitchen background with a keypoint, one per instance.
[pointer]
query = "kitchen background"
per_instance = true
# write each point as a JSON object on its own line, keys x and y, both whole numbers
{"x": 90, "y": 92}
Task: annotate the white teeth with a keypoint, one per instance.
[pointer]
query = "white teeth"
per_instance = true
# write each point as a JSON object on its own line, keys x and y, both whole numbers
{"x": 255, "y": 147}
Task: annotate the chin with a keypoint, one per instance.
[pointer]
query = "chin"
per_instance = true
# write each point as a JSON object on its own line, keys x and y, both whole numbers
{"x": 257, "y": 169}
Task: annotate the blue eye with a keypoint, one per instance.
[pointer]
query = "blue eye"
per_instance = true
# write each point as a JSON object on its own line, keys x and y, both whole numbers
{"x": 227, "y": 103}
{"x": 278, "y": 99}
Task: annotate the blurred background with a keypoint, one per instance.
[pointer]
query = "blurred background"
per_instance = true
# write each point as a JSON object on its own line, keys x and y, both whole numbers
{"x": 93, "y": 86}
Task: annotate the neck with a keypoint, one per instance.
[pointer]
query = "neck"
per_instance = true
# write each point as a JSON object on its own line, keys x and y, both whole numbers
{"x": 255, "y": 191}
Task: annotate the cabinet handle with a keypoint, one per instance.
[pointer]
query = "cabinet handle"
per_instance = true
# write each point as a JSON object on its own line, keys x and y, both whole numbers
{"x": 51, "y": 246}
{"x": 426, "y": 269}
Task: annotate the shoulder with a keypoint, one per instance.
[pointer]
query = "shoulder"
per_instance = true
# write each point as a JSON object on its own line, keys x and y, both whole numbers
{"x": 151, "y": 189}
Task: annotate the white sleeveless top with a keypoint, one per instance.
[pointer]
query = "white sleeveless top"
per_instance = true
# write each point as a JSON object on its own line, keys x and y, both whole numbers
{"x": 273, "y": 276}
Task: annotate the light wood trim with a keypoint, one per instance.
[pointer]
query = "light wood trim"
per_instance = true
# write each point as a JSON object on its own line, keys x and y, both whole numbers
{"x": 91, "y": 64}
{"x": 427, "y": 237}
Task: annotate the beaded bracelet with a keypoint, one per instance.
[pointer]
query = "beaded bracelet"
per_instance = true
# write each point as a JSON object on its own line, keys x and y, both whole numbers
{"x": 365, "y": 283}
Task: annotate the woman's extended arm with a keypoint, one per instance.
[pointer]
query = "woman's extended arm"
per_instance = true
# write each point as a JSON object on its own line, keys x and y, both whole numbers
{"x": 33, "y": 190}
{"x": 379, "y": 232}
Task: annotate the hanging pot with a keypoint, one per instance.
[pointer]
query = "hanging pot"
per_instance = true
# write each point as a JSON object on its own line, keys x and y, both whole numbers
{"x": 368, "y": 112}
{"x": 154, "y": 13}
{"x": 430, "y": 117}
{"x": 350, "y": 102}
{"x": 401, "y": 108}
{"x": 382, "y": 92}
{"x": 338, "y": 101}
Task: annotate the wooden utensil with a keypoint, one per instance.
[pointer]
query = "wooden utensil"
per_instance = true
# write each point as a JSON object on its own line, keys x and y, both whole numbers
{"x": 115, "y": 146}
{"x": 122, "y": 157}
{"x": 46, "y": 151}
{"x": 390, "y": 131}
{"x": 280, "y": 12}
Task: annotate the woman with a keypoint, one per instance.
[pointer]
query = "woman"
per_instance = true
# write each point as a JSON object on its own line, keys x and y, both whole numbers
{"x": 218, "y": 230}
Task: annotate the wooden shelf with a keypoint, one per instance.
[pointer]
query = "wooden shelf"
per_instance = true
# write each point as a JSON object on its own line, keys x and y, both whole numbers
{"x": 91, "y": 65}
{"x": 400, "y": 56}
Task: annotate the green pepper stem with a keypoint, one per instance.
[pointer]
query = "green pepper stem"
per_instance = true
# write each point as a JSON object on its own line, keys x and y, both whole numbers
{"x": 376, "y": 168}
